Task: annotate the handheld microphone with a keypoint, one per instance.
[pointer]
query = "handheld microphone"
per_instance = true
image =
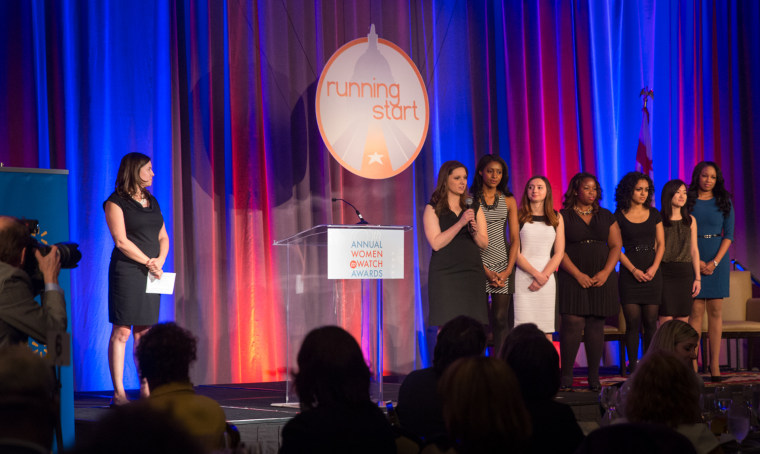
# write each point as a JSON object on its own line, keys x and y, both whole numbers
{"x": 359, "y": 215}
{"x": 468, "y": 202}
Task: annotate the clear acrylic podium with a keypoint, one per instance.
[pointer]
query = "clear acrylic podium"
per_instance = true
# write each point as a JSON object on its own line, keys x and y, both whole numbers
{"x": 313, "y": 300}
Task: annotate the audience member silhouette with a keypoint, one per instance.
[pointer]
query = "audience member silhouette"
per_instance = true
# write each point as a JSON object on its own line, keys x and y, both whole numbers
{"x": 137, "y": 428}
{"x": 164, "y": 355}
{"x": 665, "y": 391}
{"x": 28, "y": 404}
{"x": 536, "y": 364}
{"x": 482, "y": 408}
{"x": 337, "y": 415}
{"x": 629, "y": 438}
{"x": 419, "y": 405}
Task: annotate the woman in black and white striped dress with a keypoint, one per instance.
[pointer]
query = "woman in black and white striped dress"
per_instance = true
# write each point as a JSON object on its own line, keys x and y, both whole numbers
{"x": 500, "y": 209}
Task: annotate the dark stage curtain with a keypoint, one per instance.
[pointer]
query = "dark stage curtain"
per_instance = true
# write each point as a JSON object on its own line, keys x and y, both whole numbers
{"x": 221, "y": 95}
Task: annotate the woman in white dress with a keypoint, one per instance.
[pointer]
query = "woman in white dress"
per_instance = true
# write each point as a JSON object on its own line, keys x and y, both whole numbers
{"x": 542, "y": 245}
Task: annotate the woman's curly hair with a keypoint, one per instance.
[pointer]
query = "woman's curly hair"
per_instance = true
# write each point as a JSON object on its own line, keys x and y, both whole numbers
{"x": 164, "y": 354}
{"x": 626, "y": 187}
{"x": 722, "y": 196}
{"x": 571, "y": 196}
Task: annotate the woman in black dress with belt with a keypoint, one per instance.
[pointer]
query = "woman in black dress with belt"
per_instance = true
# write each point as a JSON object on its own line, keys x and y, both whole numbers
{"x": 455, "y": 232}
{"x": 587, "y": 278}
{"x": 141, "y": 246}
{"x": 640, "y": 277}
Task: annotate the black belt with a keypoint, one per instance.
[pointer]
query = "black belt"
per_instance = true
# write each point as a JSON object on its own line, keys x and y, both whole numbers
{"x": 590, "y": 241}
{"x": 640, "y": 248}
{"x": 714, "y": 235}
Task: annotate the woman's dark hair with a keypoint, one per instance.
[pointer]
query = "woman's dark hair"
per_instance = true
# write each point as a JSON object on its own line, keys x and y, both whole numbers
{"x": 128, "y": 179}
{"x": 626, "y": 187}
{"x": 663, "y": 391}
{"x": 439, "y": 199}
{"x": 534, "y": 360}
{"x": 331, "y": 369}
{"x": 477, "y": 182}
{"x": 164, "y": 354}
{"x": 668, "y": 192}
{"x": 571, "y": 196}
{"x": 722, "y": 196}
{"x": 460, "y": 337}
{"x": 482, "y": 406}
{"x": 524, "y": 213}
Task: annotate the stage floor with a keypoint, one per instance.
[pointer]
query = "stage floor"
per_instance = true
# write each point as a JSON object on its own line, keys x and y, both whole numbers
{"x": 252, "y": 407}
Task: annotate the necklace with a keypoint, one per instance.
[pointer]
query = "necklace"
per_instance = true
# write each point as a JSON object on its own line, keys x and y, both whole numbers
{"x": 583, "y": 212}
{"x": 492, "y": 206}
{"x": 142, "y": 200}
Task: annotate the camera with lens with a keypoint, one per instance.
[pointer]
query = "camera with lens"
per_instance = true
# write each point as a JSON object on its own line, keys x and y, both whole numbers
{"x": 69, "y": 253}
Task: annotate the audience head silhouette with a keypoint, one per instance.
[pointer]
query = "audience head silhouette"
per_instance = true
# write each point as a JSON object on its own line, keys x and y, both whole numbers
{"x": 460, "y": 337}
{"x": 165, "y": 353}
{"x": 28, "y": 404}
{"x": 138, "y": 428}
{"x": 331, "y": 369}
{"x": 482, "y": 406}
{"x": 534, "y": 360}
{"x": 663, "y": 390}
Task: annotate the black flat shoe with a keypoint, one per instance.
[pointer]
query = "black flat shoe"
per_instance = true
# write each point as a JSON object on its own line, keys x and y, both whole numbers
{"x": 716, "y": 378}
{"x": 596, "y": 387}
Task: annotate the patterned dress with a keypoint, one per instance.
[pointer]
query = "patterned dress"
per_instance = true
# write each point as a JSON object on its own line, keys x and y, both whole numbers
{"x": 496, "y": 255}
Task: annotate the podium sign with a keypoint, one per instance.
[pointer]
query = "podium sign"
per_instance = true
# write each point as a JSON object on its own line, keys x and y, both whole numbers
{"x": 374, "y": 253}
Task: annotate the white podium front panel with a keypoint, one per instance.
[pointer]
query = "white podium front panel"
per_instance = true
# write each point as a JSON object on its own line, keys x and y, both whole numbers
{"x": 365, "y": 253}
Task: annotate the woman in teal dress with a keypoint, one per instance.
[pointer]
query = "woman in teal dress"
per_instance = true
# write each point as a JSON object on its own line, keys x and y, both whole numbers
{"x": 710, "y": 204}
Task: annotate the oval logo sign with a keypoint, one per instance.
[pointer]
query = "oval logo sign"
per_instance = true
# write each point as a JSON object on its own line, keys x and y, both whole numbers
{"x": 372, "y": 107}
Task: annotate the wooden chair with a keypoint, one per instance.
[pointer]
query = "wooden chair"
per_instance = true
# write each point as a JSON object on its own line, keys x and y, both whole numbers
{"x": 614, "y": 333}
{"x": 741, "y": 318}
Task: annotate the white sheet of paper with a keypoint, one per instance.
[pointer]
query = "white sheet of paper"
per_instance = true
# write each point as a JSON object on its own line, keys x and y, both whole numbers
{"x": 165, "y": 285}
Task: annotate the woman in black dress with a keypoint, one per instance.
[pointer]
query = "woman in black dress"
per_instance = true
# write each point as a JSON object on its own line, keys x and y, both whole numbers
{"x": 455, "y": 232}
{"x": 141, "y": 245}
{"x": 640, "y": 277}
{"x": 587, "y": 278}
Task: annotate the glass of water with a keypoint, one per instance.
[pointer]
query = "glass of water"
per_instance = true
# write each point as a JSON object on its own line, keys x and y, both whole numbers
{"x": 738, "y": 420}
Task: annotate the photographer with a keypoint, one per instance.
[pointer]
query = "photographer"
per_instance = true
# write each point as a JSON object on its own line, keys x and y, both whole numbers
{"x": 20, "y": 315}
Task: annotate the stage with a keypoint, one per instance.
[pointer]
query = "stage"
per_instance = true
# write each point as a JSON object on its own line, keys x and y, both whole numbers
{"x": 249, "y": 406}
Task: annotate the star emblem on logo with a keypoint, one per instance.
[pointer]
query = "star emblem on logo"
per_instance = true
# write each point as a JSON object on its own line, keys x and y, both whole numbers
{"x": 376, "y": 157}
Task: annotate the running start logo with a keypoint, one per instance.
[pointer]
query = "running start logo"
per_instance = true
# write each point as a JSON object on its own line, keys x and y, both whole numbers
{"x": 372, "y": 107}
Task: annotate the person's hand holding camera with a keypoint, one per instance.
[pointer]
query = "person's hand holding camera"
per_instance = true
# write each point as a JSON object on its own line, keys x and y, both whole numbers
{"x": 49, "y": 264}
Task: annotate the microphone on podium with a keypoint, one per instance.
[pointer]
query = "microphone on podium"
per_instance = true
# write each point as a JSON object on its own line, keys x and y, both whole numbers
{"x": 359, "y": 215}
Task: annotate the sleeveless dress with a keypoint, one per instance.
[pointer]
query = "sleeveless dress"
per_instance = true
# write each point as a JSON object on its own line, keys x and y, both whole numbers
{"x": 455, "y": 277}
{"x": 586, "y": 246}
{"x": 677, "y": 271}
{"x": 638, "y": 246}
{"x": 710, "y": 221}
{"x": 536, "y": 243}
{"x": 128, "y": 304}
{"x": 496, "y": 255}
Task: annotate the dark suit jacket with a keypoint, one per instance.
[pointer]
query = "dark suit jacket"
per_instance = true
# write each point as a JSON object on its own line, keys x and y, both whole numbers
{"x": 20, "y": 315}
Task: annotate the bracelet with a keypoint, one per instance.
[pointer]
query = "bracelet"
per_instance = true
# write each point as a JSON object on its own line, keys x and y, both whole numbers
{"x": 633, "y": 270}
{"x": 698, "y": 280}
